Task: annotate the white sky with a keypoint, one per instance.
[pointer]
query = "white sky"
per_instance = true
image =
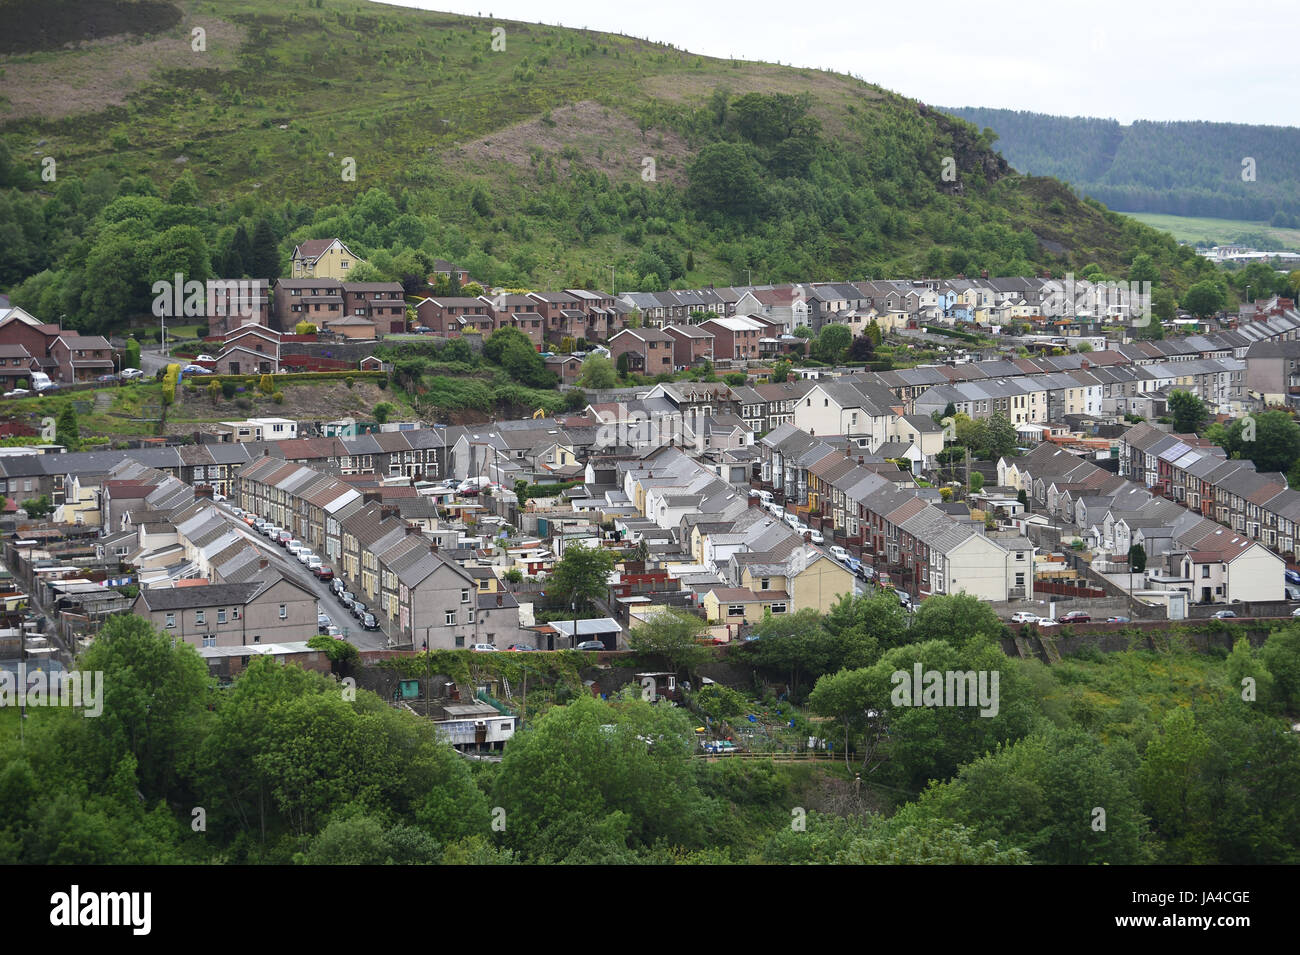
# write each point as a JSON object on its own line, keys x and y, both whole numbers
{"x": 1123, "y": 59}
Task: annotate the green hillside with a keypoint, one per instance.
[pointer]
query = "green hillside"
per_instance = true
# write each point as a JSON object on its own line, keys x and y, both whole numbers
{"x": 531, "y": 165}
{"x": 1182, "y": 169}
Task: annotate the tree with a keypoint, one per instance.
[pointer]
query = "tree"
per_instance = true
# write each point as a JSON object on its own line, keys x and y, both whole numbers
{"x": 66, "y": 431}
{"x": 1271, "y": 440}
{"x": 1188, "y": 411}
{"x": 1204, "y": 298}
{"x": 1137, "y": 559}
{"x": 513, "y": 576}
{"x": 976, "y": 482}
{"x": 266, "y": 385}
{"x": 1000, "y": 438}
{"x": 725, "y": 178}
{"x": 780, "y": 372}
{"x": 131, "y": 353}
{"x": 265, "y": 262}
{"x": 674, "y": 635}
{"x": 833, "y": 342}
{"x": 304, "y": 328}
{"x": 597, "y": 373}
{"x": 582, "y": 574}
{"x": 624, "y": 367}
{"x": 38, "y": 507}
{"x": 382, "y": 411}
{"x": 594, "y": 778}
{"x": 862, "y": 349}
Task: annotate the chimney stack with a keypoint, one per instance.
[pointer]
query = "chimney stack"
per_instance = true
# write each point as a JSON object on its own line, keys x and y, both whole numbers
{"x": 500, "y": 600}
{"x": 262, "y": 563}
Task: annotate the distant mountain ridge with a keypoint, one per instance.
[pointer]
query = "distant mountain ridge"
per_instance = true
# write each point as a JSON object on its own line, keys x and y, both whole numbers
{"x": 1177, "y": 168}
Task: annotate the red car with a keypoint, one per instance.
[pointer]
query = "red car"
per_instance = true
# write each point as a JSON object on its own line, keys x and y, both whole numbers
{"x": 468, "y": 492}
{"x": 1074, "y": 616}
{"x": 323, "y": 572}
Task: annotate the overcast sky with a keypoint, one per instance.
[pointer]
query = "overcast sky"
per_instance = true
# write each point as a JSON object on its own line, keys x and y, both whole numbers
{"x": 1121, "y": 59}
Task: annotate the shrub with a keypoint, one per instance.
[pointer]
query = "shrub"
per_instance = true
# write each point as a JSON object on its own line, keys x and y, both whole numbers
{"x": 278, "y": 397}
{"x": 227, "y": 389}
{"x": 349, "y": 381}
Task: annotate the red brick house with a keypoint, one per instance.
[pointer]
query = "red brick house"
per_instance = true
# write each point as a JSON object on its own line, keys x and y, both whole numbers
{"x": 443, "y": 316}
{"x": 82, "y": 357}
{"x": 735, "y": 338}
{"x": 691, "y": 344}
{"x": 384, "y": 303}
{"x": 306, "y": 300}
{"x": 649, "y": 350}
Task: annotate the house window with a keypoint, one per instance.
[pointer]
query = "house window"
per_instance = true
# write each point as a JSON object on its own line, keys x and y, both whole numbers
{"x": 284, "y": 611}
{"x": 235, "y": 613}
{"x": 460, "y": 641}
{"x": 1205, "y": 571}
{"x": 171, "y": 621}
{"x": 221, "y": 615}
{"x": 765, "y": 583}
{"x": 778, "y": 608}
{"x": 200, "y": 617}
{"x": 736, "y": 610}
{"x": 210, "y": 641}
{"x": 449, "y": 618}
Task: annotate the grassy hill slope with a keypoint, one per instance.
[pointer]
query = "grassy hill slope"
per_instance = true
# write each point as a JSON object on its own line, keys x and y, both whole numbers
{"x": 529, "y": 164}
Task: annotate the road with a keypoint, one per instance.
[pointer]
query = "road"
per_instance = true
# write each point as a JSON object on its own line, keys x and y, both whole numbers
{"x": 287, "y": 565}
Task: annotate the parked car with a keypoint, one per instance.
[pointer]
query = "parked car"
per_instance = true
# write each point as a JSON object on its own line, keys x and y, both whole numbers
{"x": 1117, "y": 620}
{"x": 816, "y": 536}
{"x": 792, "y": 520}
{"x": 323, "y": 572}
{"x": 17, "y": 393}
{"x": 1024, "y": 616}
{"x": 358, "y": 608}
{"x": 107, "y": 378}
{"x": 468, "y": 492}
{"x": 904, "y": 598}
{"x": 237, "y": 511}
{"x": 305, "y": 557}
{"x": 865, "y": 571}
{"x": 347, "y": 598}
{"x": 369, "y": 622}
{"x": 323, "y": 620}
{"x": 1045, "y": 622}
{"x": 1296, "y": 612}
{"x": 1074, "y": 616}
{"x": 283, "y": 538}
{"x": 312, "y": 561}
{"x": 483, "y": 648}
{"x": 590, "y": 645}
{"x": 520, "y": 647}
{"x": 1225, "y": 614}
{"x": 130, "y": 374}
{"x": 839, "y": 553}
{"x": 196, "y": 370}
{"x": 294, "y": 547}
{"x": 336, "y": 586}
{"x": 204, "y": 358}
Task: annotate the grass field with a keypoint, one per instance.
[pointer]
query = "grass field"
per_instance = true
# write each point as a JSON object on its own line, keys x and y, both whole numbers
{"x": 1216, "y": 231}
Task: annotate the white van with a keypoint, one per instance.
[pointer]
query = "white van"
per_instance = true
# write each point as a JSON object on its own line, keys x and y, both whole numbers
{"x": 41, "y": 381}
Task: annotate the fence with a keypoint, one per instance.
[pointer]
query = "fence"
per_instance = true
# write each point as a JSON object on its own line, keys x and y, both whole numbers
{"x": 1067, "y": 590}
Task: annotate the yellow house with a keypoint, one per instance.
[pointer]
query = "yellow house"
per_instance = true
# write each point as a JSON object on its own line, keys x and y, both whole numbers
{"x": 818, "y": 584}
{"x": 323, "y": 259}
{"x": 80, "y": 501}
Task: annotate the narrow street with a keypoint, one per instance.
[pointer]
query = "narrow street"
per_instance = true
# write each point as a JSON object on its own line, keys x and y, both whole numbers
{"x": 287, "y": 565}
